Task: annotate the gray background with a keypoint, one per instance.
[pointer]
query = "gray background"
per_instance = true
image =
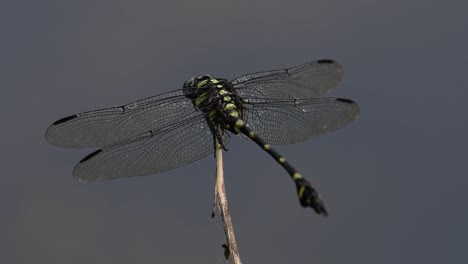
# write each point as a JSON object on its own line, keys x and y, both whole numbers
{"x": 394, "y": 181}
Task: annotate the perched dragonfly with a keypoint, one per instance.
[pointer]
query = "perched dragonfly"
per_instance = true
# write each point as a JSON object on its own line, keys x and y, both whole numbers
{"x": 169, "y": 130}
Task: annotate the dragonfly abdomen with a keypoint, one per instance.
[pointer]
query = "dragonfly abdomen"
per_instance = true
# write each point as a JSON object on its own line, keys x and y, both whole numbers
{"x": 308, "y": 196}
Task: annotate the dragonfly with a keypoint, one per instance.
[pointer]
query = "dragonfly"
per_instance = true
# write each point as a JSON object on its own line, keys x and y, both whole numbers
{"x": 169, "y": 130}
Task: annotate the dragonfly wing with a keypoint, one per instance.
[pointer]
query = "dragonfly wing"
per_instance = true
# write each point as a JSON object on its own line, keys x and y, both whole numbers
{"x": 151, "y": 152}
{"x": 308, "y": 80}
{"x": 107, "y": 126}
{"x": 293, "y": 121}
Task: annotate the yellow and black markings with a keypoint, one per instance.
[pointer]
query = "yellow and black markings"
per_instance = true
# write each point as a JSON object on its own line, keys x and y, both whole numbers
{"x": 239, "y": 123}
{"x": 301, "y": 191}
{"x": 212, "y": 114}
{"x": 202, "y": 83}
{"x": 230, "y": 106}
{"x": 296, "y": 176}
{"x": 200, "y": 99}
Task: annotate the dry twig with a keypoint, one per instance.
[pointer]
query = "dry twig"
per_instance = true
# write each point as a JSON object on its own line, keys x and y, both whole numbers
{"x": 230, "y": 248}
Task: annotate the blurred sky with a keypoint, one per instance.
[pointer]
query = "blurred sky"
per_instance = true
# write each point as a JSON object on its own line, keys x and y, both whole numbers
{"x": 394, "y": 181}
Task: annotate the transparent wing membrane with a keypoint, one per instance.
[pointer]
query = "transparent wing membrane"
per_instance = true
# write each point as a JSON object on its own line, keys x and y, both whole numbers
{"x": 308, "y": 80}
{"x": 151, "y": 152}
{"x": 296, "y": 120}
{"x": 106, "y": 126}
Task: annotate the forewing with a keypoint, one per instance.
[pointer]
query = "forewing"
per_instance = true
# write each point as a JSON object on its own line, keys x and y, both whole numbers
{"x": 152, "y": 152}
{"x": 308, "y": 80}
{"x": 107, "y": 126}
{"x": 293, "y": 121}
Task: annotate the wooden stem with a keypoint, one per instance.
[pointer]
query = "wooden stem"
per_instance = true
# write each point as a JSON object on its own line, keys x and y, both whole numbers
{"x": 231, "y": 251}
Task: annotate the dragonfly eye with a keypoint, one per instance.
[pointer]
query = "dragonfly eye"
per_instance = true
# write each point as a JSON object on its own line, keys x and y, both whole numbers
{"x": 189, "y": 83}
{"x": 197, "y": 81}
{"x": 204, "y": 77}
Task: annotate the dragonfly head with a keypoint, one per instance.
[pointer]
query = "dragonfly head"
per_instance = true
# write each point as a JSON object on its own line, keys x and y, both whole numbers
{"x": 197, "y": 81}
{"x": 192, "y": 85}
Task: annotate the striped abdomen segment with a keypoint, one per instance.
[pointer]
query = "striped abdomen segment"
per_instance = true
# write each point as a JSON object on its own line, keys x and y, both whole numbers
{"x": 308, "y": 196}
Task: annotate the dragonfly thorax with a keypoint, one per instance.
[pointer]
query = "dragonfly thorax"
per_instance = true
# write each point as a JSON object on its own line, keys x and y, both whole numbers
{"x": 216, "y": 98}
